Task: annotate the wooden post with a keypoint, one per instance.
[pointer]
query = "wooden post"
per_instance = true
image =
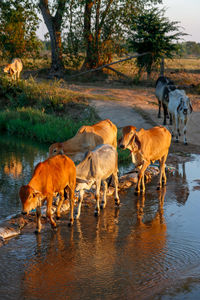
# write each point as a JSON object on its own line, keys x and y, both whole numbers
{"x": 162, "y": 67}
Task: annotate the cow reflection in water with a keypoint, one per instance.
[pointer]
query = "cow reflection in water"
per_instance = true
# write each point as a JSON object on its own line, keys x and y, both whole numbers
{"x": 181, "y": 188}
{"x": 67, "y": 265}
{"x": 148, "y": 238}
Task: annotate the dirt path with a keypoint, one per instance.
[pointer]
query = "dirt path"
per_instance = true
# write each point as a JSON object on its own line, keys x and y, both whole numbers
{"x": 138, "y": 106}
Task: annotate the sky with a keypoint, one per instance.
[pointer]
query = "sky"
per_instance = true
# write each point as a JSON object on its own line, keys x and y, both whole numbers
{"x": 187, "y": 12}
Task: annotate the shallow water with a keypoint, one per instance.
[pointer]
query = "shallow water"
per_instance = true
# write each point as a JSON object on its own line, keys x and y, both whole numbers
{"x": 148, "y": 249}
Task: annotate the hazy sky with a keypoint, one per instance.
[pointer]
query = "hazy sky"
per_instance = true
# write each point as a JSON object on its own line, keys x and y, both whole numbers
{"x": 187, "y": 12}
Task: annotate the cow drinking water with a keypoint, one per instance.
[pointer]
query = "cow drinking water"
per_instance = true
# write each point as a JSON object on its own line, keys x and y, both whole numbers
{"x": 54, "y": 175}
{"x": 96, "y": 167}
{"x": 86, "y": 139}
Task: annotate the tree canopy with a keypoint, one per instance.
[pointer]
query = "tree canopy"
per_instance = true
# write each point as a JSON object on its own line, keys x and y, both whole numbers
{"x": 152, "y": 32}
{"x": 18, "y": 25}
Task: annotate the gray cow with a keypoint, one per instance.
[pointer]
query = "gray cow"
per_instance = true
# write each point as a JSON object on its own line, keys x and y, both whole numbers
{"x": 96, "y": 167}
{"x": 163, "y": 86}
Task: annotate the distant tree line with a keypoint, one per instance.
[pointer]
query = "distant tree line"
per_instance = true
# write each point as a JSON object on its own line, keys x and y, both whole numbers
{"x": 92, "y": 31}
{"x": 190, "y": 49}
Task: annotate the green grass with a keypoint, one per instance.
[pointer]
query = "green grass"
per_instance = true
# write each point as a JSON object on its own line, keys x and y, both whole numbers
{"x": 37, "y": 125}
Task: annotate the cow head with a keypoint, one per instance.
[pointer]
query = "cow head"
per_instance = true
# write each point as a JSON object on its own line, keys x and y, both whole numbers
{"x": 184, "y": 106}
{"x": 29, "y": 198}
{"x": 127, "y": 137}
{"x": 55, "y": 149}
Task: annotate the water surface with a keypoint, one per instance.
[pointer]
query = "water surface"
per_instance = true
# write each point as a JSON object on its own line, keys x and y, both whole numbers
{"x": 148, "y": 249}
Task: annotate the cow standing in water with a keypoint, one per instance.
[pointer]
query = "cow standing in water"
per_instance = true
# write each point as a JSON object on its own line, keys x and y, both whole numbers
{"x": 147, "y": 146}
{"x": 86, "y": 139}
{"x": 54, "y": 175}
{"x": 96, "y": 167}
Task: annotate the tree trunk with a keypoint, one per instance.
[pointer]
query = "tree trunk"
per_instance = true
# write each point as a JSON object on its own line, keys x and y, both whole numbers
{"x": 89, "y": 40}
{"x": 54, "y": 27}
{"x": 92, "y": 41}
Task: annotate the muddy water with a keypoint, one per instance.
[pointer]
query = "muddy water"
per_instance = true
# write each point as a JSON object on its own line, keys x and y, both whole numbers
{"x": 148, "y": 249}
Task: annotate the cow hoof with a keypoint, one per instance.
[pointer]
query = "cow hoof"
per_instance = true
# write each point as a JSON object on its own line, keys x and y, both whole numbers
{"x": 102, "y": 206}
{"x": 37, "y": 231}
{"x": 117, "y": 202}
{"x": 158, "y": 188}
{"x": 96, "y": 213}
{"x": 76, "y": 217}
{"x": 57, "y": 218}
{"x": 70, "y": 224}
{"x": 137, "y": 192}
{"x": 186, "y": 144}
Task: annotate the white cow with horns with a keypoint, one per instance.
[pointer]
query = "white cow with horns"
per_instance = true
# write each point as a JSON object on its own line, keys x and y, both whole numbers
{"x": 98, "y": 165}
{"x": 180, "y": 107}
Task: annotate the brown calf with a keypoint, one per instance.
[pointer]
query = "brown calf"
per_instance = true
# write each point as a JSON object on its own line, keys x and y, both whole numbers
{"x": 54, "y": 175}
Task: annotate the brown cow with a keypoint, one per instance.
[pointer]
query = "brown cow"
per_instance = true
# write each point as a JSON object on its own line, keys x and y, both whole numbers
{"x": 146, "y": 146}
{"x": 54, "y": 175}
{"x": 14, "y": 69}
{"x": 87, "y": 138}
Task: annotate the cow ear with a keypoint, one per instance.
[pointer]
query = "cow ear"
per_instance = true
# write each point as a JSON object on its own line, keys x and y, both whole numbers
{"x": 179, "y": 106}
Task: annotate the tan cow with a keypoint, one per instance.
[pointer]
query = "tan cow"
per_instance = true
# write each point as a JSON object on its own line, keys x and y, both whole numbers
{"x": 147, "y": 146}
{"x": 14, "y": 69}
{"x": 54, "y": 175}
{"x": 87, "y": 138}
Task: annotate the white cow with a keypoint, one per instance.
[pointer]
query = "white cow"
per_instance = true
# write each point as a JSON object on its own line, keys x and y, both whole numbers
{"x": 180, "y": 107}
{"x": 96, "y": 167}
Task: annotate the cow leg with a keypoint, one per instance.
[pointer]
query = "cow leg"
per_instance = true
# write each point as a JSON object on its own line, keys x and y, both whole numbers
{"x": 71, "y": 201}
{"x": 159, "y": 109}
{"x": 162, "y": 177}
{"x": 80, "y": 199}
{"x": 170, "y": 118}
{"x": 105, "y": 188}
{"x": 115, "y": 178}
{"x": 38, "y": 219}
{"x": 165, "y": 113}
{"x": 49, "y": 215}
{"x": 61, "y": 194}
{"x": 140, "y": 177}
{"x": 176, "y": 127}
{"x": 97, "y": 208}
{"x": 184, "y": 132}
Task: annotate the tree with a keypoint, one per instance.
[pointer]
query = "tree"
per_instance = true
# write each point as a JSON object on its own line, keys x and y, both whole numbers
{"x": 152, "y": 32}
{"x": 18, "y": 25}
{"x": 105, "y": 25}
{"x": 54, "y": 24}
